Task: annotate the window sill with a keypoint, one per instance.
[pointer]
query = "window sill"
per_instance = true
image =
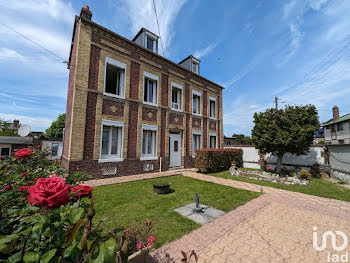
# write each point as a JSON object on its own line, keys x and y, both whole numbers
{"x": 212, "y": 118}
{"x": 113, "y": 95}
{"x": 195, "y": 114}
{"x": 148, "y": 158}
{"x": 110, "y": 160}
{"x": 150, "y": 103}
{"x": 176, "y": 110}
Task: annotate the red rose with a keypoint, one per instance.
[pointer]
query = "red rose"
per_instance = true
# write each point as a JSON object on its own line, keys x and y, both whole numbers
{"x": 23, "y": 188}
{"x": 23, "y": 153}
{"x": 8, "y": 187}
{"x": 51, "y": 192}
{"x": 82, "y": 190}
{"x": 24, "y": 174}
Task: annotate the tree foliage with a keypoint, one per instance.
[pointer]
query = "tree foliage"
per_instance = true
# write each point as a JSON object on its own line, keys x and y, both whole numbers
{"x": 241, "y": 139}
{"x": 288, "y": 130}
{"x": 5, "y": 129}
{"x": 56, "y": 128}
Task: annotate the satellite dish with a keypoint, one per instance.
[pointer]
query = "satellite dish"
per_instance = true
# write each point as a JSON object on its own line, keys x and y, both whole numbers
{"x": 24, "y": 130}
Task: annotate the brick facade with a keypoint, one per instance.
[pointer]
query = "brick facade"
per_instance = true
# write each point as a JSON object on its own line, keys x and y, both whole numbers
{"x": 90, "y": 47}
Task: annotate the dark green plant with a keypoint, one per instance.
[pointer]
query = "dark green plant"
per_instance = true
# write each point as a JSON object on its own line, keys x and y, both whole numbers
{"x": 241, "y": 139}
{"x": 341, "y": 181}
{"x": 56, "y": 128}
{"x": 305, "y": 174}
{"x": 5, "y": 129}
{"x": 288, "y": 130}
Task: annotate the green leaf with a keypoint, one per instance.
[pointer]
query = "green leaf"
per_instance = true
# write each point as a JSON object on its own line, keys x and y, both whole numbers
{"x": 47, "y": 256}
{"x": 15, "y": 257}
{"x": 75, "y": 214}
{"x": 107, "y": 252}
{"x": 30, "y": 257}
{"x": 37, "y": 226}
{"x": 8, "y": 239}
{"x": 72, "y": 232}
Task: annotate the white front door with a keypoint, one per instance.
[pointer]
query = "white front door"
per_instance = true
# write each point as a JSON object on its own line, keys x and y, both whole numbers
{"x": 175, "y": 149}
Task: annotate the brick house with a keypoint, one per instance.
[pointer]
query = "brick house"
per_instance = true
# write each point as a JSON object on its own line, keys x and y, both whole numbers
{"x": 130, "y": 110}
{"x": 337, "y": 129}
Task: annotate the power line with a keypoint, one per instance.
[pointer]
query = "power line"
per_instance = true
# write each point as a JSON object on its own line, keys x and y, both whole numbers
{"x": 37, "y": 44}
{"x": 161, "y": 41}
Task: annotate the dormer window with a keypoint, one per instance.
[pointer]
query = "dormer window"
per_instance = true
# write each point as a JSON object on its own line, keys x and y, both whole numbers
{"x": 147, "y": 39}
{"x": 195, "y": 67}
{"x": 151, "y": 44}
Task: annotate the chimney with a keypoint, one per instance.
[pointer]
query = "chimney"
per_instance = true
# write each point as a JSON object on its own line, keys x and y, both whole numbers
{"x": 335, "y": 113}
{"x": 85, "y": 12}
{"x": 15, "y": 124}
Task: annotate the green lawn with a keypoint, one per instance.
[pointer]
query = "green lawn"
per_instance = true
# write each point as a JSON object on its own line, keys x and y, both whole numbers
{"x": 131, "y": 204}
{"x": 316, "y": 187}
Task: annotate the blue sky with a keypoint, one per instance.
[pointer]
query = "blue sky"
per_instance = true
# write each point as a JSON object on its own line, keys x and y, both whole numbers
{"x": 297, "y": 50}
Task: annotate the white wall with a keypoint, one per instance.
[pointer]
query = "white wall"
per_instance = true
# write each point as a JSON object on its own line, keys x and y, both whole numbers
{"x": 47, "y": 145}
{"x": 339, "y": 157}
{"x": 250, "y": 156}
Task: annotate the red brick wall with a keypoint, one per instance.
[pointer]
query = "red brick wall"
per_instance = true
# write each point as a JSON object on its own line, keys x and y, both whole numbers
{"x": 94, "y": 67}
{"x": 175, "y": 116}
{"x": 114, "y": 108}
{"x": 89, "y": 138}
{"x": 205, "y": 133}
{"x": 187, "y": 138}
{"x": 71, "y": 83}
{"x": 149, "y": 114}
{"x": 132, "y": 132}
{"x": 187, "y": 97}
{"x": 212, "y": 125}
{"x": 219, "y": 135}
{"x": 162, "y": 132}
{"x": 196, "y": 122}
{"x": 134, "y": 80}
{"x": 165, "y": 90}
{"x": 205, "y": 102}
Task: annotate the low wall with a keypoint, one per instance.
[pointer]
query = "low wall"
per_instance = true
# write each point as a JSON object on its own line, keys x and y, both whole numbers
{"x": 252, "y": 158}
{"x": 339, "y": 160}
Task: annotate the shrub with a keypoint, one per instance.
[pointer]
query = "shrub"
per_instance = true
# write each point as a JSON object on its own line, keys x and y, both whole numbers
{"x": 305, "y": 174}
{"x": 286, "y": 172}
{"x": 214, "y": 160}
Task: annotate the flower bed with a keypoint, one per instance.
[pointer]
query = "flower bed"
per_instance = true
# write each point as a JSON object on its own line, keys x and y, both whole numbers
{"x": 46, "y": 217}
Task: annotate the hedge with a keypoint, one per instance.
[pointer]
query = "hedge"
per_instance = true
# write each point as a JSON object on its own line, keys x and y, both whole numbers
{"x": 215, "y": 160}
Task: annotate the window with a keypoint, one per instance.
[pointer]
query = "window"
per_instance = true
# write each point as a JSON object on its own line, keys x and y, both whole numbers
{"x": 111, "y": 140}
{"x": 5, "y": 152}
{"x": 54, "y": 150}
{"x": 212, "y": 107}
{"x": 341, "y": 141}
{"x": 150, "y": 88}
{"x": 212, "y": 141}
{"x": 340, "y": 126}
{"x": 176, "y": 96}
{"x": 149, "y": 142}
{"x": 196, "y": 102}
{"x": 151, "y": 43}
{"x": 195, "y": 67}
{"x": 196, "y": 142}
{"x": 114, "y": 78}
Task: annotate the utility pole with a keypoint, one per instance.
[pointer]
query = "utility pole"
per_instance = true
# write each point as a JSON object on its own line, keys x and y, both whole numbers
{"x": 276, "y": 103}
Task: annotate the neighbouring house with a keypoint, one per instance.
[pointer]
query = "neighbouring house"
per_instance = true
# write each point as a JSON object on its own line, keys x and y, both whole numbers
{"x": 229, "y": 141}
{"x": 337, "y": 129}
{"x": 10, "y": 144}
{"x": 54, "y": 146}
{"x": 129, "y": 109}
{"x": 319, "y": 136}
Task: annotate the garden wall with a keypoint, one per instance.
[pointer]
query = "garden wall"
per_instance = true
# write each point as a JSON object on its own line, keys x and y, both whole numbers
{"x": 339, "y": 160}
{"x": 252, "y": 158}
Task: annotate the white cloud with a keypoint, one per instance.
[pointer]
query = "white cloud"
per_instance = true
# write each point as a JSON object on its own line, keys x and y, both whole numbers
{"x": 8, "y": 54}
{"x": 205, "y": 51}
{"x": 141, "y": 14}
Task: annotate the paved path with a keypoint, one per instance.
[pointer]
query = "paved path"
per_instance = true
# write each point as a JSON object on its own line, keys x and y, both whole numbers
{"x": 276, "y": 227}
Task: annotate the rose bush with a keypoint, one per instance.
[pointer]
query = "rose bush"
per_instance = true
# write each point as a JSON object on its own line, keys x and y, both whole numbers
{"x": 82, "y": 190}
{"x": 51, "y": 192}
{"x": 23, "y": 153}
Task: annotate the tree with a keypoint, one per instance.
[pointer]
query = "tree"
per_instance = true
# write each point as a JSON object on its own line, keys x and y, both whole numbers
{"x": 5, "y": 129}
{"x": 288, "y": 130}
{"x": 241, "y": 139}
{"x": 56, "y": 128}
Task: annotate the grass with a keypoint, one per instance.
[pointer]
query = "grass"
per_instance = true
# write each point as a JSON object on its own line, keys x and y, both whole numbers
{"x": 318, "y": 187}
{"x": 131, "y": 204}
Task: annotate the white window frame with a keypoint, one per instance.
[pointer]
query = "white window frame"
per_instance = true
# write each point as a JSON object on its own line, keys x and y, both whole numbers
{"x": 195, "y": 92}
{"x": 58, "y": 145}
{"x": 6, "y": 146}
{"x": 150, "y": 128}
{"x": 216, "y": 140}
{"x": 154, "y": 38}
{"x": 115, "y": 124}
{"x": 215, "y": 113}
{"x": 178, "y": 86}
{"x": 195, "y": 69}
{"x": 119, "y": 65}
{"x": 200, "y": 142}
{"x": 155, "y": 78}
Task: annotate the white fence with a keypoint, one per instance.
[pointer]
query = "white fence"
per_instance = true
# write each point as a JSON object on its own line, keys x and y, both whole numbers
{"x": 339, "y": 160}
{"x": 253, "y": 159}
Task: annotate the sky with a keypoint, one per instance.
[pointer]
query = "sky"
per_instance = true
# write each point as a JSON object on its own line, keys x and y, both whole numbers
{"x": 296, "y": 50}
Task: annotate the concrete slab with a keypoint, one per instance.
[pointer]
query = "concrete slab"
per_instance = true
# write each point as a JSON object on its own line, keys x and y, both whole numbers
{"x": 209, "y": 214}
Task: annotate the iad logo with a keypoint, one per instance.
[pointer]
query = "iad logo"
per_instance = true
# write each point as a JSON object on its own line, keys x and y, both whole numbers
{"x": 332, "y": 257}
